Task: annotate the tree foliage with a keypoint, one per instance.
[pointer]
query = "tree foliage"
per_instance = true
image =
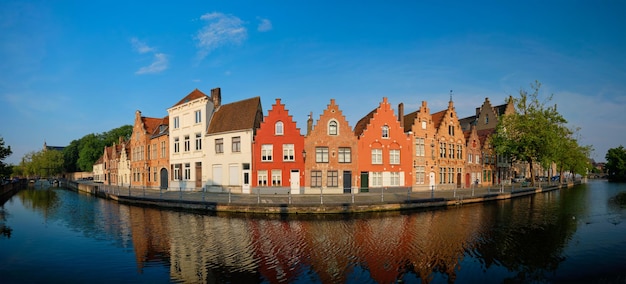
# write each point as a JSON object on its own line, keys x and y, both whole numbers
{"x": 45, "y": 163}
{"x": 616, "y": 164}
{"x": 81, "y": 154}
{"x": 5, "y": 151}
{"x": 536, "y": 133}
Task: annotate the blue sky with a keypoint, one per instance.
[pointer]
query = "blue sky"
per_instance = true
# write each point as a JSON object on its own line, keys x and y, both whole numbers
{"x": 70, "y": 68}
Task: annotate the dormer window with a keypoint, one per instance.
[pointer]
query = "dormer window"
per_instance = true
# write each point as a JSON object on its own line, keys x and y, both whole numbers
{"x": 278, "y": 128}
{"x": 332, "y": 128}
{"x": 487, "y": 119}
{"x": 385, "y": 131}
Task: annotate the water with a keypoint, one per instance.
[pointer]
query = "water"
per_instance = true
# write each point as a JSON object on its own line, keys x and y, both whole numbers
{"x": 572, "y": 235}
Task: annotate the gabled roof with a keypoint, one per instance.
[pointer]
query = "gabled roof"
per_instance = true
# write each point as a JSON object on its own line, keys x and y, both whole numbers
{"x": 409, "y": 119}
{"x": 194, "y": 95}
{"x": 245, "y": 114}
{"x": 162, "y": 128}
{"x": 484, "y": 134}
{"x": 363, "y": 122}
{"x": 150, "y": 123}
{"x": 438, "y": 118}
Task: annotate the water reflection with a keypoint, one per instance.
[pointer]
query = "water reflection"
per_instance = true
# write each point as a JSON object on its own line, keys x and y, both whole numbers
{"x": 519, "y": 240}
{"x": 525, "y": 236}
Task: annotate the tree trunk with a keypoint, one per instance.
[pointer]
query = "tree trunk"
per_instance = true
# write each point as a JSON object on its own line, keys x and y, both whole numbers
{"x": 532, "y": 173}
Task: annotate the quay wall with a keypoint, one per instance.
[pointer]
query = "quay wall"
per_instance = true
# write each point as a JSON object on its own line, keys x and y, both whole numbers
{"x": 277, "y": 205}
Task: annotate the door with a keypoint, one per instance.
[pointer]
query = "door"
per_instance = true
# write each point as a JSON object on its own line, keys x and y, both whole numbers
{"x": 347, "y": 181}
{"x": 431, "y": 180}
{"x": 458, "y": 180}
{"x": 164, "y": 178}
{"x": 467, "y": 180}
{"x": 198, "y": 174}
{"x": 365, "y": 182}
{"x": 294, "y": 180}
{"x": 245, "y": 188}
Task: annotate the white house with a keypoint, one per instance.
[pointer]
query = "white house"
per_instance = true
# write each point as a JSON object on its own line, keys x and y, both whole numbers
{"x": 229, "y": 145}
{"x": 188, "y": 123}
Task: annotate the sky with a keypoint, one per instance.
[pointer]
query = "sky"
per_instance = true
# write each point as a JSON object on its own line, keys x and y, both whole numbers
{"x": 71, "y": 68}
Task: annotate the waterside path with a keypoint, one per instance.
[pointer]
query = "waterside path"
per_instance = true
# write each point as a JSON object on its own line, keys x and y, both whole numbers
{"x": 377, "y": 201}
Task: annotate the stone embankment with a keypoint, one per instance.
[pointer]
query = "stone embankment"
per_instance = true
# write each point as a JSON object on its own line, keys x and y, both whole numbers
{"x": 383, "y": 200}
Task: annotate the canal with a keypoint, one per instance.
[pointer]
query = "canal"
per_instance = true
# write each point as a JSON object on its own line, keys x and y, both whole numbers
{"x": 570, "y": 235}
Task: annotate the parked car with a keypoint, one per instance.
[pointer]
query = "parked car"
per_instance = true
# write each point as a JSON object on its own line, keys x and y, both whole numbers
{"x": 555, "y": 178}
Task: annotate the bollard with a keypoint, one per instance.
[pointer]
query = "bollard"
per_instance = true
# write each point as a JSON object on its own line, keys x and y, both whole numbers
{"x": 352, "y": 193}
{"x": 258, "y": 195}
{"x": 289, "y": 194}
{"x": 382, "y": 194}
{"x": 203, "y": 191}
{"x": 229, "y": 195}
{"x": 129, "y": 190}
{"x": 454, "y": 192}
{"x": 180, "y": 196}
{"x": 321, "y": 196}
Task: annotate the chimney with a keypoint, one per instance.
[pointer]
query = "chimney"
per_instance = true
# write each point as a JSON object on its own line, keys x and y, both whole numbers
{"x": 309, "y": 124}
{"x": 216, "y": 97}
{"x": 401, "y": 114}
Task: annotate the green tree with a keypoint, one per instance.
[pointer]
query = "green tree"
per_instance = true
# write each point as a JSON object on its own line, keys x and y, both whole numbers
{"x": 91, "y": 149}
{"x": 532, "y": 133}
{"x": 616, "y": 164}
{"x": 81, "y": 154}
{"x": 5, "y": 151}
{"x": 70, "y": 156}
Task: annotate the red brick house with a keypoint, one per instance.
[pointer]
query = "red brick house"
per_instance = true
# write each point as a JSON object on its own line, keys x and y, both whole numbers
{"x": 277, "y": 152}
{"x": 331, "y": 153}
{"x": 449, "y": 147}
{"x": 425, "y": 156}
{"x": 473, "y": 163}
{"x": 385, "y": 150}
{"x": 142, "y": 150}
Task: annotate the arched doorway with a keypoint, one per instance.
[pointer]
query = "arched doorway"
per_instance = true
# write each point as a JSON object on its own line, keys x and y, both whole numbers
{"x": 164, "y": 178}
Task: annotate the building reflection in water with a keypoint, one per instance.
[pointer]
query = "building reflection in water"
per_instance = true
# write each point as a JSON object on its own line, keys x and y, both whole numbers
{"x": 332, "y": 249}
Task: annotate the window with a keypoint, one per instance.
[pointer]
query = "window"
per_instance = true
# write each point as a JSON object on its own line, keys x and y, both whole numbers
{"x": 385, "y": 131}
{"x": 155, "y": 174}
{"x": 477, "y": 159}
{"x": 177, "y": 172}
{"x": 176, "y": 122}
{"x": 154, "y": 151}
{"x": 486, "y": 119}
{"x": 198, "y": 114}
{"x": 187, "y": 143}
{"x": 451, "y": 130}
{"x": 420, "y": 175}
{"x": 459, "y": 152}
{"x": 470, "y": 158}
{"x": 163, "y": 151}
{"x": 442, "y": 150}
{"x": 377, "y": 156}
{"x": 198, "y": 141}
{"x": 149, "y": 152}
{"x": 377, "y": 179}
{"x": 176, "y": 145}
{"x": 321, "y": 154}
{"x": 187, "y": 171}
{"x": 451, "y": 153}
{"x": 219, "y": 145}
{"x": 236, "y": 144}
{"x": 345, "y": 155}
{"x": 266, "y": 152}
{"x": 316, "y": 178}
{"x": 395, "y": 179}
{"x": 394, "y": 157}
{"x": 442, "y": 175}
{"x": 332, "y": 128}
{"x": 450, "y": 175}
{"x": 419, "y": 147}
{"x": 148, "y": 174}
{"x": 276, "y": 177}
{"x": 278, "y": 128}
{"x": 262, "y": 177}
{"x": 332, "y": 179}
{"x": 288, "y": 152}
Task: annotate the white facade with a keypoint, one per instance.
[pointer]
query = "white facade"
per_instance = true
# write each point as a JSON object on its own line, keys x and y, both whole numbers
{"x": 123, "y": 168}
{"x": 229, "y": 157}
{"x": 188, "y": 123}
{"x": 98, "y": 172}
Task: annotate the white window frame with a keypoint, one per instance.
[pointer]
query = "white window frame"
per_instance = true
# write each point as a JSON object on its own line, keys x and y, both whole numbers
{"x": 394, "y": 156}
{"x": 289, "y": 154}
{"x": 377, "y": 156}
{"x": 266, "y": 152}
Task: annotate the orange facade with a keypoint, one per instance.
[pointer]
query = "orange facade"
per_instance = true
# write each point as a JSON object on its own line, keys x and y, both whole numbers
{"x": 278, "y": 151}
{"x": 425, "y": 155}
{"x": 385, "y": 150}
{"x": 147, "y": 155}
{"x": 331, "y": 153}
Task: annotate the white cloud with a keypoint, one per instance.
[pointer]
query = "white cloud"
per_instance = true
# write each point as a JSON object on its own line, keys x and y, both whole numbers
{"x": 264, "y": 25}
{"x": 160, "y": 62}
{"x": 220, "y": 30}
{"x": 140, "y": 46}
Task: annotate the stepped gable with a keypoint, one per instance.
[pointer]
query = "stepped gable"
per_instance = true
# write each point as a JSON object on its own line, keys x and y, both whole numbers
{"x": 237, "y": 116}
{"x": 194, "y": 95}
{"x": 363, "y": 122}
{"x": 438, "y": 118}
